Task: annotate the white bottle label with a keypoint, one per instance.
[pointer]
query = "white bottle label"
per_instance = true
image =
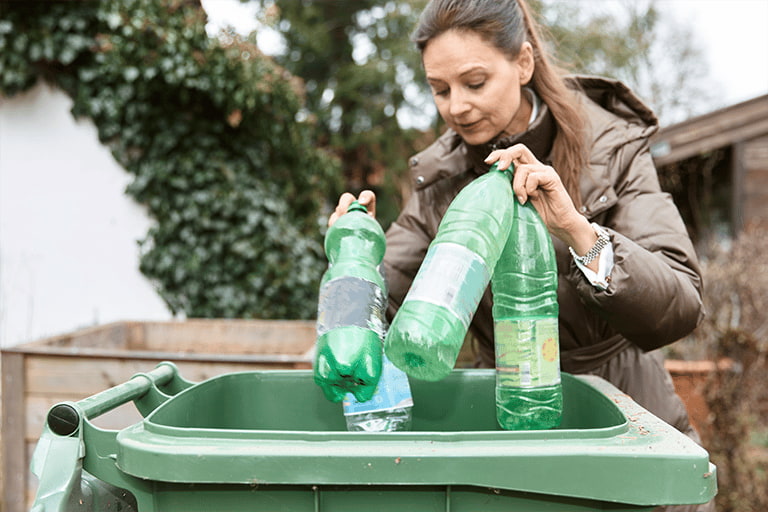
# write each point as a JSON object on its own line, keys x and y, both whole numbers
{"x": 452, "y": 277}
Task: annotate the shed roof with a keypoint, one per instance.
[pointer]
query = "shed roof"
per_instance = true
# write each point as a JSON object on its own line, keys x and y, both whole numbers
{"x": 721, "y": 128}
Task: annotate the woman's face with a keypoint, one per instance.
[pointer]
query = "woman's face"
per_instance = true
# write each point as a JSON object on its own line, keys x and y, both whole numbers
{"x": 477, "y": 89}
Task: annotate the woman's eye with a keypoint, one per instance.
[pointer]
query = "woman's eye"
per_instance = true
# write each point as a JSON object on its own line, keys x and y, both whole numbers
{"x": 477, "y": 85}
{"x": 440, "y": 92}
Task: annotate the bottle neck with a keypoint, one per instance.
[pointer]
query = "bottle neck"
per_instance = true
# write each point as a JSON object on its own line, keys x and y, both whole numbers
{"x": 509, "y": 172}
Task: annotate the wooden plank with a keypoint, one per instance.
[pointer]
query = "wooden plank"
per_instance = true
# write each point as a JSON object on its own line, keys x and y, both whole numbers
{"x": 194, "y": 337}
{"x": 756, "y": 207}
{"x": 231, "y": 336}
{"x": 738, "y": 183}
{"x": 82, "y": 377}
{"x": 756, "y": 153}
{"x": 78, "y": 377}
{"x": 701, "y": 144}
{"x": 13, "y": 421}
{"x": 113, "y": 335}
{"x": 751, "y": 159}
{"x": 88, "y": 353}
{"x": 755, "y": 193}
{"x": 717, "y": 129}
{"x": 32, "y": 482}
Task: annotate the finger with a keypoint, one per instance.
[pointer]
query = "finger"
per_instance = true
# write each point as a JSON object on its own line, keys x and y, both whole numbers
{"x": 345, "y": 200}
{"x": 543, "y": 178}
{"x": 367, "y": 198}
{"x": 493, "y": 156}
{"x": 519, "y": 154}
{"x": 533, "y": 183}
{"x": 501, "y": 157}
{"x": 519, "y": 183}
{"x": 341, "y": 207}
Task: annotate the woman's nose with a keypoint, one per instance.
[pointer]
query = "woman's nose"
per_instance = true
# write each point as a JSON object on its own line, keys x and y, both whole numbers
{"x": 459, "y": 105}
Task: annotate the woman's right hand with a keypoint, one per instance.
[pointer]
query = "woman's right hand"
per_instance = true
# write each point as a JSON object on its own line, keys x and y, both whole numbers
{"x": 366, "y": 198}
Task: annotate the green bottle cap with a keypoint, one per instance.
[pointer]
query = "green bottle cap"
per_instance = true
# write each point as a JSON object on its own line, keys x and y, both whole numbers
{"x": 357, "y": 207}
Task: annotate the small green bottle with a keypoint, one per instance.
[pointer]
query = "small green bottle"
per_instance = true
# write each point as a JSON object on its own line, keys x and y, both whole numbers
{"x": 351, "y": 308}
{"x": 529, "y": 394}
{"x": 428, "y": 330}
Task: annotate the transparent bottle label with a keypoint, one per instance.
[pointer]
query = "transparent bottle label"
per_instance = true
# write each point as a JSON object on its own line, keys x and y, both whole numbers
{"x": 452, "y": 277}
{"x": 350, "y": 302}
{"x": 393, "y": 392}
{"x": 527, "y": 352}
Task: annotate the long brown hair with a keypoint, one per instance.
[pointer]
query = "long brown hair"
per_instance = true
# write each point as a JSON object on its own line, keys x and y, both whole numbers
{"x": 506, "y": 24}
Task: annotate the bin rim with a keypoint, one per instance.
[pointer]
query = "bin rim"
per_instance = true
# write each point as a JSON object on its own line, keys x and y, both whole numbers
{"x": 643, "y": 461}
{"x": 562, "y": 434}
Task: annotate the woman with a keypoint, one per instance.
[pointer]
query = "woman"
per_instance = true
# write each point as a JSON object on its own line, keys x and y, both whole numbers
{"x": 629, "y": 280}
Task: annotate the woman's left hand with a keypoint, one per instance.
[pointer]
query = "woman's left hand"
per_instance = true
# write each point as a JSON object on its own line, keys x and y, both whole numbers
{"x": 542, "y": 185}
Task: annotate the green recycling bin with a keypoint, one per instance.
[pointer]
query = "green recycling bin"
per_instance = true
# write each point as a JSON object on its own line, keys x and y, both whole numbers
{"x": 269, "y": 441}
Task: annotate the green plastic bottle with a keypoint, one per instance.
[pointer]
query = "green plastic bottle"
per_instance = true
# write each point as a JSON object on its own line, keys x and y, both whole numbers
{"x": 351, "y": 308}
{"x": 428, "y": 330}
{"x": 525, "y": 309}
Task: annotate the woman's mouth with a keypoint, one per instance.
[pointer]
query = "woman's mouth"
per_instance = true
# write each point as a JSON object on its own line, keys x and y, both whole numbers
{"x": 469, "y": 126}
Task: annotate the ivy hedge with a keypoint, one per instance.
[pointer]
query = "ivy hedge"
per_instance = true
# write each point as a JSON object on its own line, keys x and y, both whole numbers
{"x": 208, "y": 129}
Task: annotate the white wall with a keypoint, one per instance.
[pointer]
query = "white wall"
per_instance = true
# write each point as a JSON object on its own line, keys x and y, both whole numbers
{"x": 68, "y": 233}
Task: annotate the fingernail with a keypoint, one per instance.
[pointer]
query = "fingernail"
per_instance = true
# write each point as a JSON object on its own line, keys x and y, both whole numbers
{"x": 520, "y": 198}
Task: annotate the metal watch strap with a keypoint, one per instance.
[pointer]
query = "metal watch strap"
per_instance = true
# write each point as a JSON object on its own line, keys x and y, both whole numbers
{"x": 602, "y": 241}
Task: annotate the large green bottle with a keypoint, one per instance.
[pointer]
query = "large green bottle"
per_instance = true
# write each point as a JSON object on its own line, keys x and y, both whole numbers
{"x": 428, "y": 330}
{"x": 351, "y": 308}
{"x": 525, "y": 309}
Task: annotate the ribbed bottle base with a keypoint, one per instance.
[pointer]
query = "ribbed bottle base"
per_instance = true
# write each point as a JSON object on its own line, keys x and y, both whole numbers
{"x": 529, "y": 408}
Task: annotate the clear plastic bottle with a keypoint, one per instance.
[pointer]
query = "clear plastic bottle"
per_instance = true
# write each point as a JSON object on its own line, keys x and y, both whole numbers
{"x": 428, "y": 330}
{"x": 389, "y": 410}
{"x": 529, "y": 394}
{"x": 351, "y": 308}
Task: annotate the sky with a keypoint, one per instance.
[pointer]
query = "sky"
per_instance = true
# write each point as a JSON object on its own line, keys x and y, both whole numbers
{"x": 733, "y": 35}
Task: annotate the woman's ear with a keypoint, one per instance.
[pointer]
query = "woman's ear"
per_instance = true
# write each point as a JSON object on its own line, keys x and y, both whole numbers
{"x": 525, "y": 63}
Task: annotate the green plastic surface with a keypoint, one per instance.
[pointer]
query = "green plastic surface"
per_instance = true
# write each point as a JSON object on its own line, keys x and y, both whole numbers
{"x": 270, "y": 441}
{"x": 429, "y": 328}
{"x": 351, "y": 305}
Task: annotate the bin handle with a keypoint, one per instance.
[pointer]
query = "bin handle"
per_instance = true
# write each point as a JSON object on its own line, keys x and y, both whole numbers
{"x": 57, "y": 459}
{"x": 64, "y": 418}
{"x": 134, "y": 388}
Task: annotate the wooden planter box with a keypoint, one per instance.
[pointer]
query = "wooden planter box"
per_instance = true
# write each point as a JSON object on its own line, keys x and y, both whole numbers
{"x": 691, "y": 379}
{"x": 70, "y": 367}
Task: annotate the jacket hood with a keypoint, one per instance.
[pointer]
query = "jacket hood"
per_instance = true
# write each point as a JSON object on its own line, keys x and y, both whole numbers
{"x": 616, "y": 98}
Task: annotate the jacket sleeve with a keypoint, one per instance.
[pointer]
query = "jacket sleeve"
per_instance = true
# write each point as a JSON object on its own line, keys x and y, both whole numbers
{"x": 654, "y": 294}
{"x": 407, "y": 241}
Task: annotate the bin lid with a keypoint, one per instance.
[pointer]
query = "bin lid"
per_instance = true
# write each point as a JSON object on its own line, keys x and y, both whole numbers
{"x": 275, "y": 427}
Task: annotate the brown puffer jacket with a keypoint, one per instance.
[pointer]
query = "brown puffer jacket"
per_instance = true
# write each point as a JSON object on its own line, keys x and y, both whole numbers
{"x": 654, "y": 296}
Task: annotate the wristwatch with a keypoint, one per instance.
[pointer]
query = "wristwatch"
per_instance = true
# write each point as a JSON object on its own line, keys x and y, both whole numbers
{"x": 603, "y": 239}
